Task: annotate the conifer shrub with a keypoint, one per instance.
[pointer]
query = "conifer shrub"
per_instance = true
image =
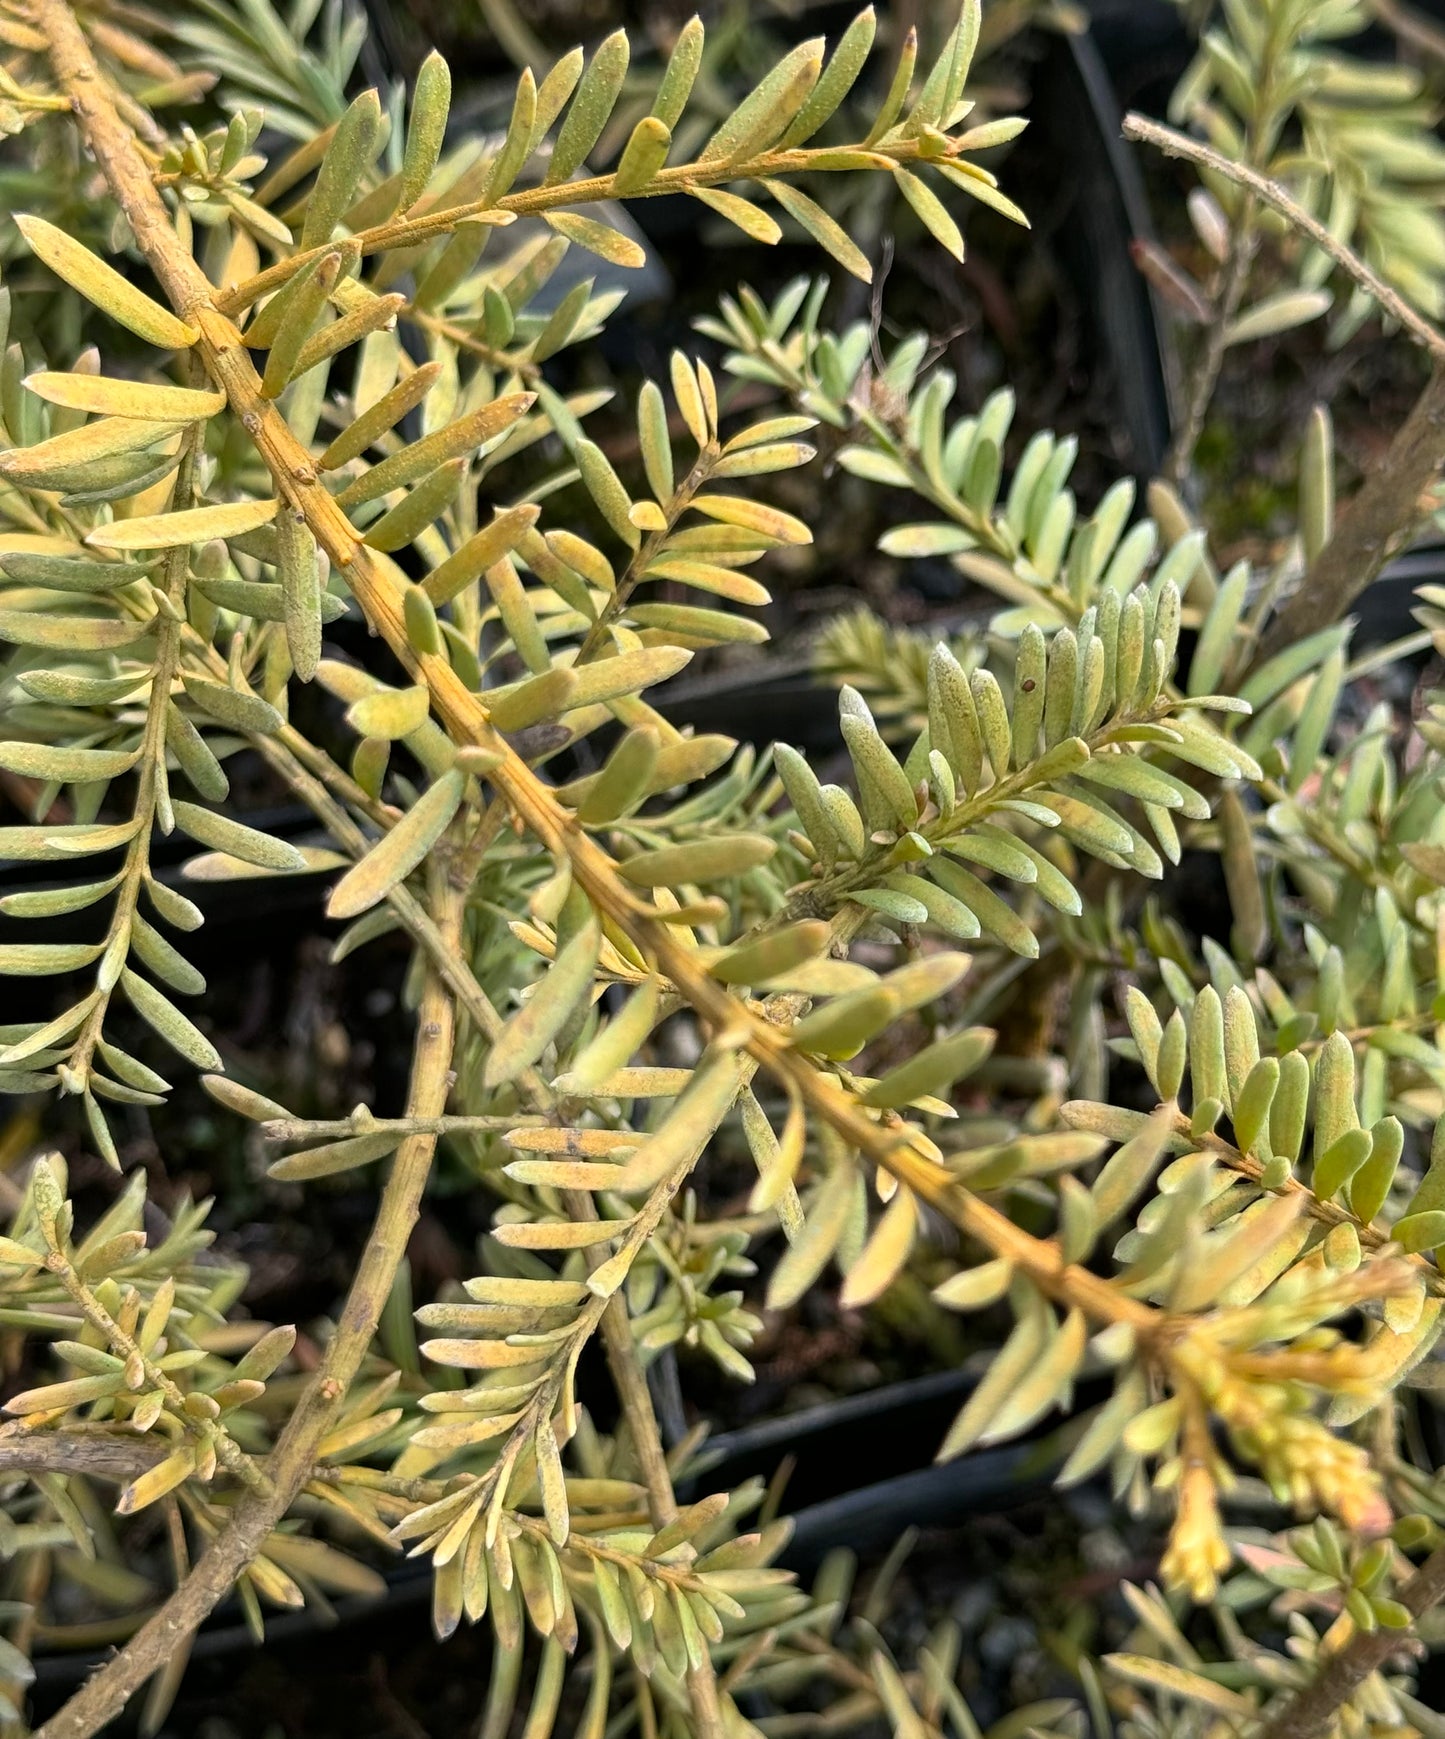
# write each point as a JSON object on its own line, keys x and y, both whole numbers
{"x": 277, "y": 368}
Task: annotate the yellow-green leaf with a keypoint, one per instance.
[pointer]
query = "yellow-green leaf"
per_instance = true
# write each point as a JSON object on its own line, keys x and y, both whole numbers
{"x": 528, "y": 1033}
{"x": 598, "y": 238}
{"x": 398, "y": 853}
{"x": 703, "y": 860}
{"x": 190, "y": 525}
{"x": 75, "y": 265}
{"x": 931, "y": 210}
{"x": 105, "y": 396}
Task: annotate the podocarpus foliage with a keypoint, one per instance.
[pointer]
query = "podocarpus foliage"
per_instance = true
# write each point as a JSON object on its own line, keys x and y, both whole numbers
{"x": 1212, "y": 1188}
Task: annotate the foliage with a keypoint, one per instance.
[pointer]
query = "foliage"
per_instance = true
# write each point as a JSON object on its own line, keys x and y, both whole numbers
{"x": 1351, "y": 138}
{"x": 1203, "y": 1193}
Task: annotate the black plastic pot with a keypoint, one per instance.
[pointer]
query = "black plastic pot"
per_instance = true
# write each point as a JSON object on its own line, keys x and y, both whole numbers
{"x": 1102, "y": 198}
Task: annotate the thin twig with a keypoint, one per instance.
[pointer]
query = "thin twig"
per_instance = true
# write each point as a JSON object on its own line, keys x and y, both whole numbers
{"x": 290, "y": 1463}
{"x": 299, "y": 1129}
{"x": 1174, "y": 144}
{"x": 636, "y": 1401}
{"x": 1385, "y": 512}
{"x": 599, "y": 633}
{"x": 206, "y": 1432}
{"x": 1210, "y": 362}
{"x": 424, "y": 226}
{"x": 1411, "y": 26}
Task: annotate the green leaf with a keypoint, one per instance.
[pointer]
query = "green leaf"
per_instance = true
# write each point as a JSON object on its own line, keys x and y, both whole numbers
{"x": 560, "y": 991}
{"x": 933, "y": 1070}
{"x": 605, "y": 488}
{"x": 105, "y": 396}
{"x": 188, "y": 526}
{"x": 47, "y": 761}
{"x": 939, "y": 539}
{"x": 194, "y": 754}
{"x": 161, "y": 1013}
{"x": 995, "y": 916}
{"x": 461, "y": 439}
{"x": 1278, "y": 313}
{"x": 837, "y": 79}
{"x": 824, "y": 229}
{"x": 68, "y": 573}
{"x": 401, "y": 524}
{"x": 70, "y": 633}
{"x": 764, "y": 115}
{"x": 751, "y": 219}
{"x": 242, "y": 712}
{"x": 805, "y": 1258}
{"x": 296, "y": 564}
{"x": 773, "y": 952}
{"x": 596, "y": 97}
{"x": 530, "y": 702}
{"x": 479, "y": 553}
{"x": 399, "y": 852}
{"x": 1340, "y": 1162}
{"x": 39, "y": 959}
{"x": 59, "y": 844}
{"x": 333, "y": 1157}
{"x": 304, "y": 307}
{"x": 619, "y": 1041}
{"x": 703, "y": 860}
{"x": 385, "y": 414}
{"x": 624, "y": 782}
{"x": 1370, "y": 1186}
{"x": 430, "y": 102}
{"x": 56, "y": 902}
{"x": 644, "y": 154}
{"x": 234, "y": 838}
{"x": 844, "y": 1024}
{"x": 76, "y": 266}
{"x": 390, "y": 712}
{"x": 598, "y": 238}
{"x": 351, "y": 153}
{"x": 931, "y": 211}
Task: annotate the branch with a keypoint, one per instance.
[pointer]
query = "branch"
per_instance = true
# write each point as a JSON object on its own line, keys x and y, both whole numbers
{"x": 408, "y": 232}
{"x": 290, "y": 1464}
{"x": 1372, "y": 529}
{"x": 1209, "y": 365}
{"x": 149, "y": 783}
{"x": 96, "y": 1454}
{"x": 1311, "y": 1710}
{"x": 1326, "y": 1213}
{"x": 230, "y": 1454}
{"x": 1174, "y": 144}
{"x": 333, "y": 1129}
{"x": 637, "y": 1410}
